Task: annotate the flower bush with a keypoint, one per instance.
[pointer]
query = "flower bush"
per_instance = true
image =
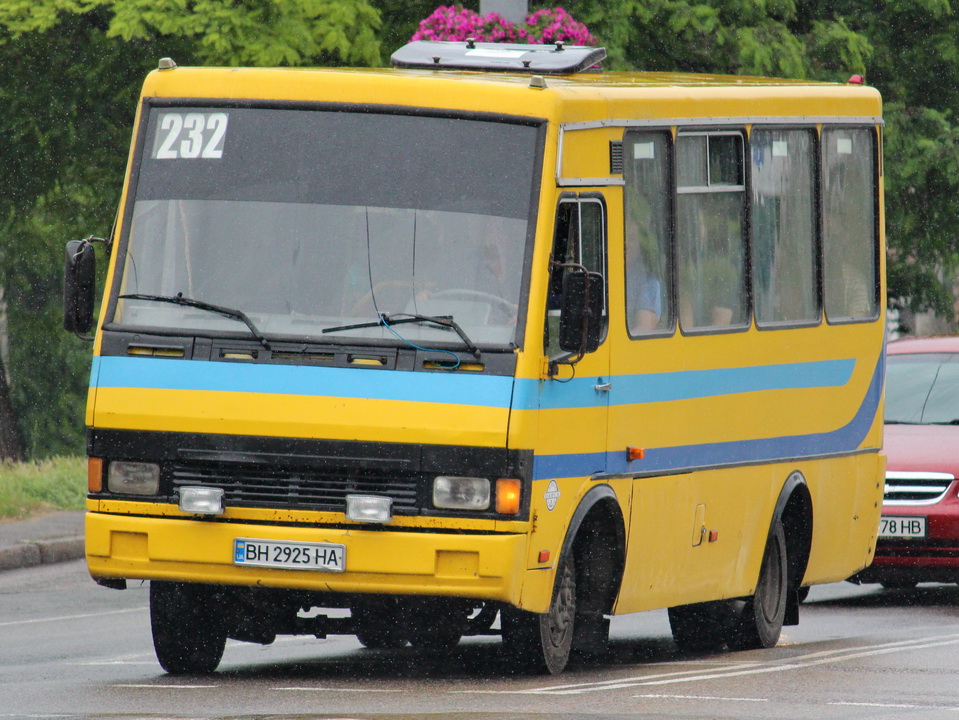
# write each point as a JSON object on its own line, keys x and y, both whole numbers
{"x": 454, "y": 22}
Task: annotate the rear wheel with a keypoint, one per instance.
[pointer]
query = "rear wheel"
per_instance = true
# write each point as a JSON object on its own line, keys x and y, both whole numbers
{"x": 437, "y": 624}
{"x": 701, "y": 627}
{"x": 898, "y": 584}
{"x": 541, "y": 643}
{"x": 379, "y": 623}
{"x": 188, "y": 634}
{"x": 758, "y": 621}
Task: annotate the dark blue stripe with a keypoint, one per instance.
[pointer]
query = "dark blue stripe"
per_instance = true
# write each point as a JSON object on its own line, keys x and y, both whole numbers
{"x": 759, "y": 450}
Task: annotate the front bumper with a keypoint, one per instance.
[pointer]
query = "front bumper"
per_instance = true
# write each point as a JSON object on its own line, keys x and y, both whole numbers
{"x": 934, "y": 558}
{"x": 402, "y": 561}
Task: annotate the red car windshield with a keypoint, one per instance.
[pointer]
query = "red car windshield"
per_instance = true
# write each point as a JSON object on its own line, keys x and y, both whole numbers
{"x": 923, "y": 389}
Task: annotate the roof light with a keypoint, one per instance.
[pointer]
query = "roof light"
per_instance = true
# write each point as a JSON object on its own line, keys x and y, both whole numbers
{"x": 857, "y": 80}
{"x": 557, "y": 58}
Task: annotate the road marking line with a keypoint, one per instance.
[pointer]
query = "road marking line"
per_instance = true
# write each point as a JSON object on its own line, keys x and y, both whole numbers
{"x": 701, "y": 697}
{"x": 164, "y": 687}
{"x": 71, "y": 617}
{"x": 327, "y": 689}
{"x": 822, "y": 657}
{"x": 896, "y": 706}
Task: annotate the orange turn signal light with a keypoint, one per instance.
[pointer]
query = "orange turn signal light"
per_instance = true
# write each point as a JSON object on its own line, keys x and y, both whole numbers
{"x": 508, "y": 496}
{"x": 635, "y": 453}
{"x": 94, "y": 474}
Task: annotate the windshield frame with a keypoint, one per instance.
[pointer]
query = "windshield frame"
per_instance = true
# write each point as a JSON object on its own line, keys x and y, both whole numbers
{"x": 151, "y": 105}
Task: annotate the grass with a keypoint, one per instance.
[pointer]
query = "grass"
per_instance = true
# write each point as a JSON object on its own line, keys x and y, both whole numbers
{"x": 33, "y": 488}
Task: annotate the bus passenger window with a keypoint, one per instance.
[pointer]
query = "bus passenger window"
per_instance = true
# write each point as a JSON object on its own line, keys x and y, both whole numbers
{"x": 580, "y": 240}
{"x": 709, "y": 230}
{"x": 646, "y": 170}
{"x": 783, "y": 213}
{"x": 849, "y": 229}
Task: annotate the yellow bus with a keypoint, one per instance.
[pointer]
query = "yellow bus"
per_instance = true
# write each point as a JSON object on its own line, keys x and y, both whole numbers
{"x": 487, "y": 342}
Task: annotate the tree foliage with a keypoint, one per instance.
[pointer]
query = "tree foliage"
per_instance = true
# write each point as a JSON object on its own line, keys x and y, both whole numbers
{"x": 72, "y": 73}
{"x": 73, "y": 68}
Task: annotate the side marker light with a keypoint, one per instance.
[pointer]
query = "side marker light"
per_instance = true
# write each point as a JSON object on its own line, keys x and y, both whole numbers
{"x": 94, "y": 474}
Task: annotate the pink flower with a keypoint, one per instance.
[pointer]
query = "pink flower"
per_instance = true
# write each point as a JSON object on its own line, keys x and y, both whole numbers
{"x": 457, "y": 23}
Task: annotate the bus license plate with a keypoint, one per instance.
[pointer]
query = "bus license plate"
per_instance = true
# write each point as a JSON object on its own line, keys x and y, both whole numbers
{"x": 327, "y": 557}
{"x": 891, "y": 526}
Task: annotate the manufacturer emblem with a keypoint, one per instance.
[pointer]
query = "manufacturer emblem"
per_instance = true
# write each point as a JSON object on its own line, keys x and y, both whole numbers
{"x": 551, "y": 495}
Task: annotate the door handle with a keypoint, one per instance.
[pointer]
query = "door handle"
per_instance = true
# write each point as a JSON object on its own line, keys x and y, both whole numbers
{"x": 603, "y": 387}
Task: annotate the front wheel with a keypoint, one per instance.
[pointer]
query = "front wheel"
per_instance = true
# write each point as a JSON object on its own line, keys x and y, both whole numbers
{"x": 758, "y": 621}
{"x": 541, "y": 643}
{"x": 188, "y": 635}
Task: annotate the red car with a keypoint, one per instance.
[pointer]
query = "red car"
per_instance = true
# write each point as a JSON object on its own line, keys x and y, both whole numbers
{"x": 919, "y": 530}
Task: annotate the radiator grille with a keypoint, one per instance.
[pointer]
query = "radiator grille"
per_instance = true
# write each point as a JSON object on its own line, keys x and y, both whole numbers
{"x": 915, "y": 488}
{"x": 277, "y": 487}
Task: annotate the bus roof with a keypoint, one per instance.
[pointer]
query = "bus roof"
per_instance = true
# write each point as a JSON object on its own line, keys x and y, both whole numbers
{"x": 574, "y": 97}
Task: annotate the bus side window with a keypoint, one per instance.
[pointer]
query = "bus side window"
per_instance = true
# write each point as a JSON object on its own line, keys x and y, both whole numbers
{"x": 580, "y": 239}
{"x": 646, "y": 228}
{"x": 783, "y": 212}
{"x": 849, "y": 228}
{"x": 709, "y": 230}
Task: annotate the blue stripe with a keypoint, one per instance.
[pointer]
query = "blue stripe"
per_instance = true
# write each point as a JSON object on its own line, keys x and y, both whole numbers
{"x": 681, "y": 385}
{"x": 671, "y": 459}
{"x": 459, "y": 388}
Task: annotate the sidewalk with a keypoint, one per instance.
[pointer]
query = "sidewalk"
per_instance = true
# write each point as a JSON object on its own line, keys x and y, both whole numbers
{"x": 56, "y": 537}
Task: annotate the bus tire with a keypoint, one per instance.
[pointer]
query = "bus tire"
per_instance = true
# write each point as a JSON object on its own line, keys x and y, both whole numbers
{"x": 699, "y": 628}
{"x": 758, "y": 622}
{"x": 379, "y": 623}
{"x": 541, "y": 643}
{"x": 188, "y": 636}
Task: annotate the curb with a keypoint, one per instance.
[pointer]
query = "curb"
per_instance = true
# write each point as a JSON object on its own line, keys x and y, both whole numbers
{"x": 41, "y": 552}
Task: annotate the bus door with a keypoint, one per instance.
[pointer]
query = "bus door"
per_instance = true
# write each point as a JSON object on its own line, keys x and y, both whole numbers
{"x": 573, "y": 403}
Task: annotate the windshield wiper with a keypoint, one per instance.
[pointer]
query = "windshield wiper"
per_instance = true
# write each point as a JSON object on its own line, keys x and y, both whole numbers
{"x": 385, "y": 320}
{"x": 178, "y": 299}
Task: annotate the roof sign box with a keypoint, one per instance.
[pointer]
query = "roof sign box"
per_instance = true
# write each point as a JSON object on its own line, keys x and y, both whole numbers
{"x": 555, "y": 59}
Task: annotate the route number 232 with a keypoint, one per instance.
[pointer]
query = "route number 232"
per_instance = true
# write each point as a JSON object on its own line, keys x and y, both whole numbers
{"x": 190, "y": 135}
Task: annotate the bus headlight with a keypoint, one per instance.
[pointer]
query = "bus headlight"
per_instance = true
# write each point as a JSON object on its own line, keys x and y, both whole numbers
{"x": 460, "y": 493}
{"x": 133, "y": 478}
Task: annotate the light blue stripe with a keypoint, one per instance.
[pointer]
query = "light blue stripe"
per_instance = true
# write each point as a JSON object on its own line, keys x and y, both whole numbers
{"x": 758, "y": 450}
{"x": 459, "y": 388}
{"x": 681, "y": 385}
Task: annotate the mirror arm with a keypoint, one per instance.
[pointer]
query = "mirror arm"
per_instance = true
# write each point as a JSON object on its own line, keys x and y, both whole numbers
{"x": 552, "y": 367}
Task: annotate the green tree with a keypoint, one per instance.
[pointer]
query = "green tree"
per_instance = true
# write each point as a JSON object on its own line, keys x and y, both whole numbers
{"x": 908, "y": 49}
{"x": 72, "y": 72}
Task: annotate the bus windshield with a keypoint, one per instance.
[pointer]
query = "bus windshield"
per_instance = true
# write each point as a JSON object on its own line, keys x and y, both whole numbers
{"x": 306, "y": 220}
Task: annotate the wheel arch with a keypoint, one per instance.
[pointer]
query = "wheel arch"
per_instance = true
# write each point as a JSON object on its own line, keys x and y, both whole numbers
{"x": 596, "y": 539}
{"x": 795, "y": 511}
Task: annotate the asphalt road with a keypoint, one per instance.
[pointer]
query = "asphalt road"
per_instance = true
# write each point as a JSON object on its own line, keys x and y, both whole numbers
{"x": 71, "y": 649}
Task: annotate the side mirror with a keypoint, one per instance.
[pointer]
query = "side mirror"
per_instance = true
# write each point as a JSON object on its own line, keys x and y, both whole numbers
{"x": 79, "y": 286}
{"x": 581, "y": 318}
